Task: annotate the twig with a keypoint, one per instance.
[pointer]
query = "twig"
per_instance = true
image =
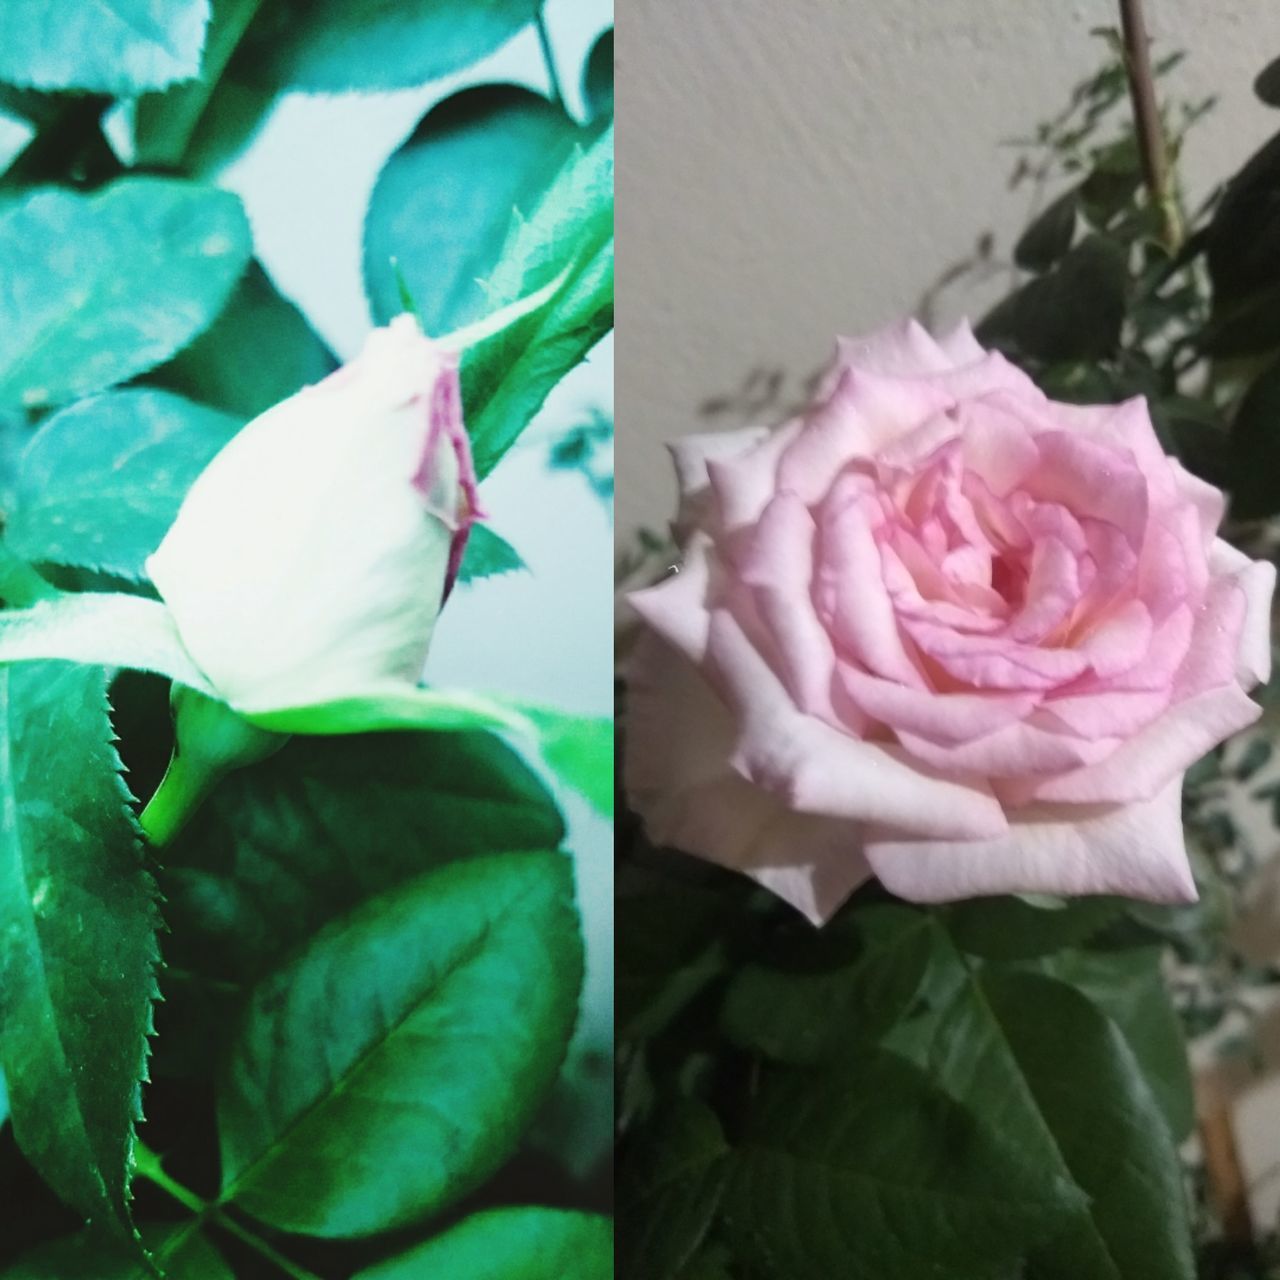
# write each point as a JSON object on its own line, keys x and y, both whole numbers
{"x": 1156, "y": 172}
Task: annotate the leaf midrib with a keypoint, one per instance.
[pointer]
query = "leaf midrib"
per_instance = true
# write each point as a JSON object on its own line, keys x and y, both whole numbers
{"x": 468, "y": 953}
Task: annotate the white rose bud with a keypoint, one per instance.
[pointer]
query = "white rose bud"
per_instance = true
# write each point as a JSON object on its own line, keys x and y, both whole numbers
{"x": 311, "y": 557}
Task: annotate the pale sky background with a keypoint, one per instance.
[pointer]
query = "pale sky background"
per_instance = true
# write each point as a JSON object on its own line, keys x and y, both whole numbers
{"x": 547, "y": 634}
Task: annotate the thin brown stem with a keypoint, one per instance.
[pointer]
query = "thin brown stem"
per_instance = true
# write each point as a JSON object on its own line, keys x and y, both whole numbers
{"x": 1156, "y": 171}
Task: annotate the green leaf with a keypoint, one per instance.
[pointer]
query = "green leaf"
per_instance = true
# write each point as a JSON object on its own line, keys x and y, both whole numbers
{"x": 506, "y": 379}
{"x": 1254, "y": 457}
{"x": 510, "y": 1244}
{"x": 101, "y": 482}
{"x": 1074, "y": 312}
{"x": 870, "y": 1170}
{"x": 107, "y": 46}
{"x": 488, "y": 555}
{"x": 259, "y": 351}
{"x": 100, "y": 629}
{"x": 88, "y": 1257}
{"x": 287, "y": 846}
{"x": 580, "y": 750}
{"x": 1037, "y": 1060}
{"x": 442, "y": 206}
{"x": 336, "y": 45}
{"x": 165, "y": 123}
{"x": 1049, "y": 236}
{"x": 597, "y": 78}
{"x": 816, "y": 996}
{"x": 670, "y": 946}
{"x": 73, "y": 892}
{"x": 1129, "y": 987}
{"x": 391, "y": 1066}
{"x": 1013, "y": 929}
{"x": 668, "y": 1191}
{"x": 99, "y": 288}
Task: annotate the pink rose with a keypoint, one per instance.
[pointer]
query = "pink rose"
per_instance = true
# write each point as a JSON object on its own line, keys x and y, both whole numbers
{"x": 944, "y": 631}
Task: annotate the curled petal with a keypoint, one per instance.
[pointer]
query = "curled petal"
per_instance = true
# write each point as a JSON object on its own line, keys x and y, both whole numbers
{"x": 1136, "y": 850}
{"x": 678, "y": 775}
{"x": 691, "y": 456}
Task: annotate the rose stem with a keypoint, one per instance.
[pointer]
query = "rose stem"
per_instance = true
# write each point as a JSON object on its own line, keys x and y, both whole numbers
{"x": 181, "y": 792}
{"x": 1156, "y": 172}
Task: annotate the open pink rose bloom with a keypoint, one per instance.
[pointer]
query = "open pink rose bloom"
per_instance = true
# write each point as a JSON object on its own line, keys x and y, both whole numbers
{"x": 945, "y": 631}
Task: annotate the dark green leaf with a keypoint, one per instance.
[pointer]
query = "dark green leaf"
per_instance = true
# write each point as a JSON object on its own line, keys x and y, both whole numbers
{"x": 259, "y": 351}
{"x": 443, "y": 204}
{"x": 669, "y": 947}
{"x": 668, "y": 1192}
{"x": 102, "y": 481}
{"x": 1074, "y": 312}
{"x": 1267, "y": 84}
{"x": 73, "y": 892}
{"x": 1129, "y": 987}
{"x": 597, "y": 78}
{"x": 1037, "y": 1060}
{"x": 1255, "y": 449}
{"x": 284, "y": 847}
{"x": 510, "y": 1244}
{"x": 570, "y": 233}
{"x": 391, "y": 1066}
{"x": 1049, "y": 236}
{"x": 107, "y": 46}
{"x": 335, "y": 45}
{"x": 102, "y": 287}
{"x": 1242, "y": 245}
{"x": 816, "y": 995}
{"x": 1012, "y": 929}
{"x": 488, "y": 555}
{"x": 870, "y": 1170}
{"x": 88, "y": 1257}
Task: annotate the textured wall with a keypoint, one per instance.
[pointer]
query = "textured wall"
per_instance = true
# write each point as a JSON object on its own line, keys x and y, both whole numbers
{"x": 791, "y": 170}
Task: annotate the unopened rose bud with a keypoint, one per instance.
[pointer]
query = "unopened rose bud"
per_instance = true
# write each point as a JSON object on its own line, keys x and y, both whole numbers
{"x": 311, "y": 557}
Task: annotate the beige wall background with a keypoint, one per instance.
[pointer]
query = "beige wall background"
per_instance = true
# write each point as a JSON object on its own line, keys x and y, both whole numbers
{"x": 791, "y": 169}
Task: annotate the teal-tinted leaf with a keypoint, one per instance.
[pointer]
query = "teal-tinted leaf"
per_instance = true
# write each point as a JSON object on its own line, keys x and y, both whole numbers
{"x": 334, "y": 45}
{"x": 1129, "y": 987}
{"x": 871, "y": 1170}
{"x": 443, "y": 203}
{"x": 165, "y": 123}
{"x": 815, "y": 996}
{"x": 73, "y": 893}
{"x": 1254, "y": 457}
{"x": 88, "y": 1256}
{"x": 1040, "y": 1063}
{"x": 108, "y": 46}
{"x": 1013, "y": 929}
{"x": 99, "y": 628}
{"x": 101, "y": 482}
{"x": 510, "y": 1244}
{"x": 99, "y": 288}
{"x": 285, "y": 847}
{"x": 259, "y": 351}
{"x": 392, "y": 1065}
{"x": 570, "y": 232}
{"x": 488, "y": 555}
{"x": 668, "y": 1192}
{"x": 597, "y": 78}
